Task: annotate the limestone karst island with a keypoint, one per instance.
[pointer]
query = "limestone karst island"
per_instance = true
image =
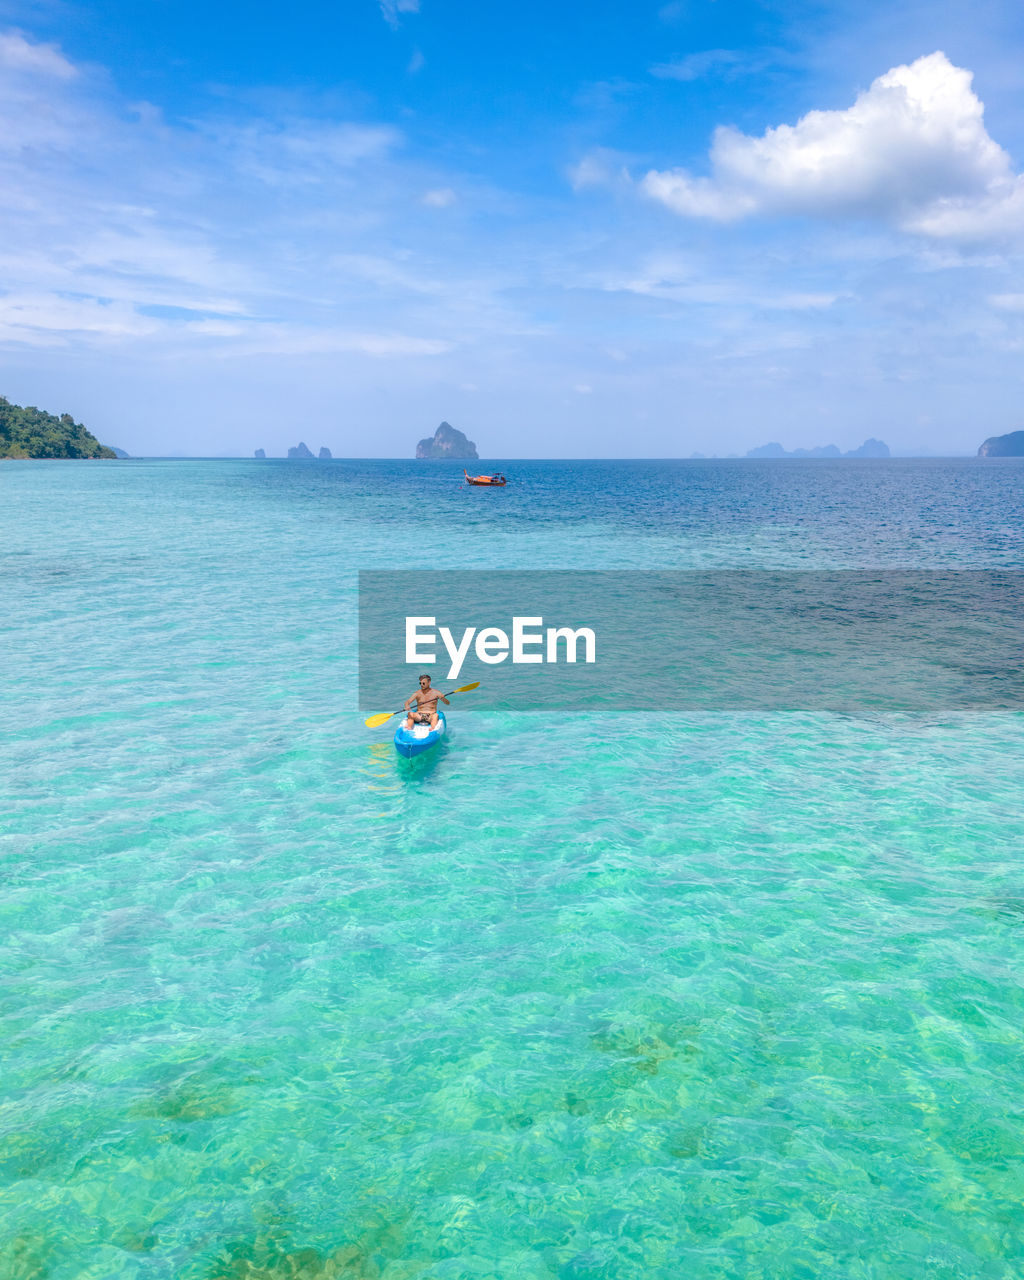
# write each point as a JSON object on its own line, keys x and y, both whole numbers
{"x": 1008, "y": 446}
{"x": 300, "y": 453}
{"x": 446, "y": 442}
{"x": 871, "y": 448}
{"x": 33, "y": 433}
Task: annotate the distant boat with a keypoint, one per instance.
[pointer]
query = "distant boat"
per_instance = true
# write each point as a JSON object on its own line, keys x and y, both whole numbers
{"x": 495, "y": 480}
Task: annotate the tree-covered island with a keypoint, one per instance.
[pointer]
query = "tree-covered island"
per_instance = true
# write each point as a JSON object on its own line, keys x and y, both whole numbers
{"x": 33, "y": 433}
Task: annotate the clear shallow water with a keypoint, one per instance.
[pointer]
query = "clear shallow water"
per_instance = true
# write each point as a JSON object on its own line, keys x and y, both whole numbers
{"x": 709, "y": 996}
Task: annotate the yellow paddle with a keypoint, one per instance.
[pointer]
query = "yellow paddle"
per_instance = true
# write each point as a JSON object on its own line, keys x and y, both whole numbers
{"x": 375, "y": 721}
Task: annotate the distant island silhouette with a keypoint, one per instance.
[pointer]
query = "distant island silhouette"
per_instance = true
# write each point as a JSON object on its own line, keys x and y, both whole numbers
{"x": 871, "y": 448}
{"x": 302, "y": 453}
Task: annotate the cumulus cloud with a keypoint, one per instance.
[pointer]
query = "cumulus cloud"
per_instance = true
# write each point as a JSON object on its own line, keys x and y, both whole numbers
{"x": 912, "y": 150}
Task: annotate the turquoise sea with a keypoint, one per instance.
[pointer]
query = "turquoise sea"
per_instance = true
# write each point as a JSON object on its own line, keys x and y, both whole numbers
{"x": 706, "y": 997}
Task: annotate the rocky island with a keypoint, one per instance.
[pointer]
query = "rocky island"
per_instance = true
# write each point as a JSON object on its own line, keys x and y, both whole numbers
{"x": 33, "y": 433}
{"x": 1008, "y": 446}
{"x": 302, "y": 453}
{"x": 446, "y": 442}
{"x": 871, "y": 448}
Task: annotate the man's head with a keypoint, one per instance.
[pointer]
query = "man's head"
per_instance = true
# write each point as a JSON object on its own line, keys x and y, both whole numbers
{"x": 424, "y": 683}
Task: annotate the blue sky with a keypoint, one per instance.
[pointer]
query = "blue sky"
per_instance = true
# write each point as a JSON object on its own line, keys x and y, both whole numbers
{"x": 571, "y": 230}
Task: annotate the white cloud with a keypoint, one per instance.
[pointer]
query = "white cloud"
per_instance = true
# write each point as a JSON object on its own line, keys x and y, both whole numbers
{"x": 913, "y": 150}
{"x": 798, "y": 301}
{"x": 996, "y": 215}
{"x": 390, "y": 9}
{"x": 69, "y": 269}
{"x": 120, "y": 230}
{"x": 35, "y": 93}
{"x": 306, "y": 152}
{"x": 49, "y": 319}
{"x": 440, "y": 198}
{"x": 147, "y": 254}
{"x": 696, "y": 65}
{"x": 601, "y": 167}
{"x": 588, "y": 172}
{"x": 1008, "y": 301}
{"x": 673, "y": 278}
{"x": 386, "y": 275}
{"x": 338, "y": 144}
{"x": 214, "y": 328}
{"x": 279, "y": 340}
{"x": 38, "y": 319}
{"x": 21, "y": 55}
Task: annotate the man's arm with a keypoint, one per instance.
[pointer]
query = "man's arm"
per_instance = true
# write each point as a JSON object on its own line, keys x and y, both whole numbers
{"x": 444, "y": 700}
{"x": 410, "y": 700}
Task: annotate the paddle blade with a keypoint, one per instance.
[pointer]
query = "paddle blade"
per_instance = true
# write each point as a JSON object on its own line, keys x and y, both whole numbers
{"x": 375, "y": 721}
{"x": 466, "y": 687}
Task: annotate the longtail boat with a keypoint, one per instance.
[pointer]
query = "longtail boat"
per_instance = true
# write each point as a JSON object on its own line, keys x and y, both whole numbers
{"x": 497, "y": 480}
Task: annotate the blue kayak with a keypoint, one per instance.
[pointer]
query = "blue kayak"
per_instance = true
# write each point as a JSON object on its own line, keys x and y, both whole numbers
{"x": 420, "y": 738}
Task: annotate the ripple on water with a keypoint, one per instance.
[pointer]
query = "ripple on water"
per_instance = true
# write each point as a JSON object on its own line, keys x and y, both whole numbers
{"x": 714, "y": 996}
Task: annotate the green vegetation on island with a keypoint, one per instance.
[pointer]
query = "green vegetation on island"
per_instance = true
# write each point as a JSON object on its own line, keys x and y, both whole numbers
{"x": 33, "y": 433}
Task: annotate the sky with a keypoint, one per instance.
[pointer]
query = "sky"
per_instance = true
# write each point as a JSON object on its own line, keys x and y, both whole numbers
{"x": 596, "y": 229}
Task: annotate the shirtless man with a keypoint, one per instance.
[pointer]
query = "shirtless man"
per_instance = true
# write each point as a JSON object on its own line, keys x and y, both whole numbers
{"x": 426, "y": 706}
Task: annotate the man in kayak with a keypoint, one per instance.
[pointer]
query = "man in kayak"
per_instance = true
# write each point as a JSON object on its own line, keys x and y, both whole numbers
{"x": 426, "y": 706}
